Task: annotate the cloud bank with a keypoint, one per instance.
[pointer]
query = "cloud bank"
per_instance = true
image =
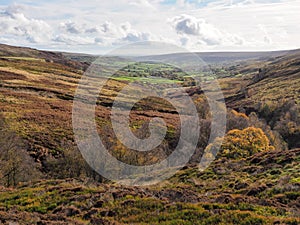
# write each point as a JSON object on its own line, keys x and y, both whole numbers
{"x": 98, "y": 26}
{"x": 14, "y": 24}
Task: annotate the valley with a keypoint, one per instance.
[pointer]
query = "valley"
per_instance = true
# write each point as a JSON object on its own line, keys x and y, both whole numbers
{"x": 254, "y": 179}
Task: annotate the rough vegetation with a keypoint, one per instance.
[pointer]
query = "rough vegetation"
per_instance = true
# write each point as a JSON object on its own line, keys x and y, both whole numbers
{"x": 261, "y": 189}
{"x": 253, "y": 180}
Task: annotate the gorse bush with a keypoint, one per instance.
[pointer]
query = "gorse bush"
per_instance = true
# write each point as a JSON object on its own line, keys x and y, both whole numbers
{"x": 244, "y": 143}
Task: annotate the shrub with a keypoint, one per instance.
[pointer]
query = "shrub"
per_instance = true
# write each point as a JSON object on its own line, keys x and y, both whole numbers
{"x": 244, "y": 143}
{"x": 237, "y": 120}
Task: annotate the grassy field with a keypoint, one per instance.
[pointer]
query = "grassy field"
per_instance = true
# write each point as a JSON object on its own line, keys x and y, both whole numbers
{"x": 152, "y": 80}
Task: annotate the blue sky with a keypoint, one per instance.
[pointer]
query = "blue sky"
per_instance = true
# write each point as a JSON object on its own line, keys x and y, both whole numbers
{"x": 99, "y": 26}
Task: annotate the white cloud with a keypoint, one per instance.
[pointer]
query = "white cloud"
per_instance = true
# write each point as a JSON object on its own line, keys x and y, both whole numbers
{"x": 137, "y": 36}
{"x": 72, "y": 28}
{"x": 141, "y": 3}
{"x": 18, "y": 28}
{"x": 106, "y": 34}
{"x": 204, "y": 32}
{"x": 131, "y": 35}
{"x": 197, "y": 25}
{"x": 15, "y": 23}
{"x": 265, "y": 34}
{"x": 109, "y": 28}
{"x": 73, "y": 40}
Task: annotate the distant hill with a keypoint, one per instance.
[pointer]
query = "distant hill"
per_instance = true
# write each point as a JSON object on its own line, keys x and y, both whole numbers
{"x": 208, "y": 57}
{"x": 217, "y": 57}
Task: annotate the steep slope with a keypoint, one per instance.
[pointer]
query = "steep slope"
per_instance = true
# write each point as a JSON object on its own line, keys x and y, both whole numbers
{"x": 273, "y": 92}
{"x": 36, "y": 93}
{"x": 262, "y": 189}
{"x": 277, "y": 80}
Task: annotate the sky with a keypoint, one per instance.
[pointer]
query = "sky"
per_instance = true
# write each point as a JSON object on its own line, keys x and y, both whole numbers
{"x": 98, "y": 27}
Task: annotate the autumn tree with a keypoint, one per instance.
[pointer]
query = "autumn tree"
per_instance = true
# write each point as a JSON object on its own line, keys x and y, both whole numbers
{"x": 236, "y": 120}
{"x": 244, "y": 143}
{"x": 283, "y": 117}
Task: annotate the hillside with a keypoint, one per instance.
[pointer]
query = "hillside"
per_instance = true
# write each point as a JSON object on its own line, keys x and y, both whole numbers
{"x": 276, "y": 80}
{"x": 253, "y": 180}
{"x": 10, "y": 52}
{"x": 36, "y": 100}
{"x": 263, "y": 189}
{"x": 274, "y": 93}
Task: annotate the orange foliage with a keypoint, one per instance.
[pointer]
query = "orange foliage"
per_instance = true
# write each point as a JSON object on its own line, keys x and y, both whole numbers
{"x": 244, "y": 143}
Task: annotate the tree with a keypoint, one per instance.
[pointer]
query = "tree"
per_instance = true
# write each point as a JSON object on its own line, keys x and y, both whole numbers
{"x": 15, "y": 163}
{"x": 237, "y": 120}
{"x": 287, "y": 123}
{"x": 70, "y": 164}
{"x": 244, "y": 143}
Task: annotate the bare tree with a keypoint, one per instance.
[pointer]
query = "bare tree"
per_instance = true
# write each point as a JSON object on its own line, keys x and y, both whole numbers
{"x": 15, "y": 163}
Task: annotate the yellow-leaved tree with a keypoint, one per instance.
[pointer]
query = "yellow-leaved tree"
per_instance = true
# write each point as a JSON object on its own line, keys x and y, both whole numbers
{"x": 237, "y": 144}
{"x": 244, "y": 143}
